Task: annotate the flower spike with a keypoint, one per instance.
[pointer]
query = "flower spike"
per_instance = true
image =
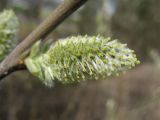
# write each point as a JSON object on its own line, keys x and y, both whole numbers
{"x": 8, "y": 29}
{"x": 79, "y": 58}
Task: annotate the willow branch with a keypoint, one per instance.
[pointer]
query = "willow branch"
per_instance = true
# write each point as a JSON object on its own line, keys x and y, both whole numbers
{"x": 18, "y": 67}
{"x": 50, "y": 23}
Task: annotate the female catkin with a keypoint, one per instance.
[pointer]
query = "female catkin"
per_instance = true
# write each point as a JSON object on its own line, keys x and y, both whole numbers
{"x": 79, "y": 58}
{"x": 8, "y": 29}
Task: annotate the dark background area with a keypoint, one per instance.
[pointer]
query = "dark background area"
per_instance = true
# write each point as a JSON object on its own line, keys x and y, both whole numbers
{"x": 133, "y": 96}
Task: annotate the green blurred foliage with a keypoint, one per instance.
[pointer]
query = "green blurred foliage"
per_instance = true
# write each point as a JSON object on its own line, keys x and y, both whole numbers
{"x": 8, "y": 29}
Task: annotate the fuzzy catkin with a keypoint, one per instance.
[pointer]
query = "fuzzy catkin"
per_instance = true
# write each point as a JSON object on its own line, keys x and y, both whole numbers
{"x": 8, "y": 29}
{"x": 79, "y": 58}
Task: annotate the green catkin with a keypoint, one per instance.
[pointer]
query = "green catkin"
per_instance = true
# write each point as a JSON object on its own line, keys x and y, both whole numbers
{"x": 80, "y": 58}
{"x": 8, "y": 29}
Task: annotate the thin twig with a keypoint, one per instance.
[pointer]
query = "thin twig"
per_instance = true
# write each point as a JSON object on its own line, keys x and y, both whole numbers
{"x": 59, "y": 15}
{"x": 18, "y": 67}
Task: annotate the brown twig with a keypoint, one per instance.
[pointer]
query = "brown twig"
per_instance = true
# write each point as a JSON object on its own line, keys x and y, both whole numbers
{"x": 59, "y": 14}
{"x": 17, "y": 67}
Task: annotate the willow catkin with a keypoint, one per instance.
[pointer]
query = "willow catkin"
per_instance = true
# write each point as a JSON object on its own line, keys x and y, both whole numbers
{"x": 79, "y": 58}
{"x": 8, "y": 29}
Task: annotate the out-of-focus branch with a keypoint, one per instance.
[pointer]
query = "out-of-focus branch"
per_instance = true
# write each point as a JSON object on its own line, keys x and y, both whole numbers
{"x": 57, "y": 16}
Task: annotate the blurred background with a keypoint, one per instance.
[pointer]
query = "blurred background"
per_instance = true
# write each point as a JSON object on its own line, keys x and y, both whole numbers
{"x": 133, "y": 96}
